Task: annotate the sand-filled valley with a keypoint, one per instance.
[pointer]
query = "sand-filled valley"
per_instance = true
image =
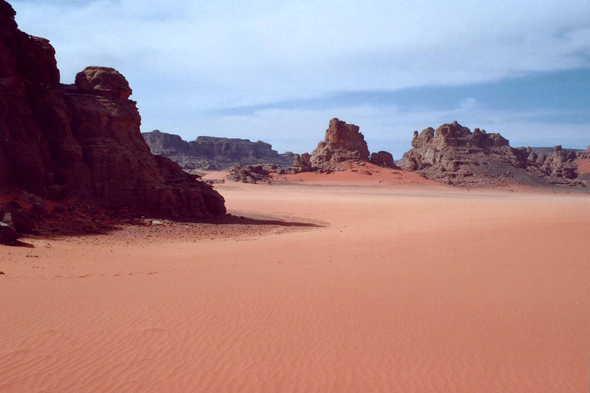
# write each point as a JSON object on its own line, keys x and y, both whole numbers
{"x": 383, "y": 289}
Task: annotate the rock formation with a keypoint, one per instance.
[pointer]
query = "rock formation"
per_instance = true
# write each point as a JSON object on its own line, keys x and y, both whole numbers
{"x": 259, "y": 173}
{"x": 302, "y": 162}
{"x": 211, "y": 153}
{"x": 383, "y": 159}
{"x": 455, "y": 155}
{"x": 82, "y": 140}
{"x": 343, "y": 142}
{"x": 8, "y": 234}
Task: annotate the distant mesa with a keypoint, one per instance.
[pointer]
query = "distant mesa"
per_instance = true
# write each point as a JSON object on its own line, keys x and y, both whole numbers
{"x": 454, "y": 155}
{"x": 82, "y": 140}
{"x": 252, "y": 161}
{"x": 343, "y": 143}
{"x": 212, "y": 153}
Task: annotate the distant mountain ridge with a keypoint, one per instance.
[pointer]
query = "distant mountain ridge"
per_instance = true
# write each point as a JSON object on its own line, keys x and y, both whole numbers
{"x": 207, "y": 152}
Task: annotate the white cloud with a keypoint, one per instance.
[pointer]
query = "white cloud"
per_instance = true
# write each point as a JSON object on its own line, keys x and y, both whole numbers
{"x": 385, "y": 127}
{"x": 264, "y": 51}
{"x": 183, "y": 57}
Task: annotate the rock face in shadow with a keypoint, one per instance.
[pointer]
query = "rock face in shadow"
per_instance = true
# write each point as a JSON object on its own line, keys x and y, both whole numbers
{"x": 82, "y": 140}
{"x": 453, "y": 154}
{"x": 209, "y": 153}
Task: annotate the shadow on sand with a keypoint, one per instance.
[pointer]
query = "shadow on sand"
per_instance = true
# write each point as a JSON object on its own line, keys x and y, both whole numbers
{"x": 53, "y": 229}
{"x": 18, "y": 243}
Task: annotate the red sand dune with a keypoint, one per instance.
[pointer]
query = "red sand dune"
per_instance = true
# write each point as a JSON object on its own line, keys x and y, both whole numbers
{"x": 366, "y": 174}
{"x": 405, "y": 289}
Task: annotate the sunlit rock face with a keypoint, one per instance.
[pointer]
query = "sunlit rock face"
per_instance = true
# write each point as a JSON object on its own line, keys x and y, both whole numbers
{"x": 453, "y": 154}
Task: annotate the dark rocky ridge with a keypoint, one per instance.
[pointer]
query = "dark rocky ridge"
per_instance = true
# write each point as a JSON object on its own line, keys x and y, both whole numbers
{"x": 208, "y": 152}
{"x": 82, "y": 140}
{"x": 453, "y": 154}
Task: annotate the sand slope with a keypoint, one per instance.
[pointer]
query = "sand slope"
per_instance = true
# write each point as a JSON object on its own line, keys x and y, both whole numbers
{"x": 405, "y": 289}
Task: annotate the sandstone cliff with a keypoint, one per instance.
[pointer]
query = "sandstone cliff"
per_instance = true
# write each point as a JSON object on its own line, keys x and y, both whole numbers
{"x": 455, "y": 155}
{"x": 82, "y": 140}
{"x": 214, "y": 153}
{"x": 343, "y": 142}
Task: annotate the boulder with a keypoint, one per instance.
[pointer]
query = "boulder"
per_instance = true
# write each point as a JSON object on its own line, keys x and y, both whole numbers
{"x": 14, "y": 215}
{"x": 8, "y": 234}
{"x": 383, "y": 159}
{"x": 40, "y": 210}
{"x": 253, "y": 173}
{"x": 104, "y": 81}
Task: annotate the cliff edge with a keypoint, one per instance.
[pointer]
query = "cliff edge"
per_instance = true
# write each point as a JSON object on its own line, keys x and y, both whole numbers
{"x": 83, "y": 140}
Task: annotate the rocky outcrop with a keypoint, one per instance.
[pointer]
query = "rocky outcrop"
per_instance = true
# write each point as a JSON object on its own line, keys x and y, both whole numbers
{"x": 8, "y": 235}
{"x": 383, "y": 159}
{"x": 302, "y": 162}
{"x": 82, "y": 140}
{"x": 212, "y": 153}
{"x": 253, "y": 174}
{"x": 453, "y": 154}
{"x": 14, "y": 215}
{"x": 343, "y": 142}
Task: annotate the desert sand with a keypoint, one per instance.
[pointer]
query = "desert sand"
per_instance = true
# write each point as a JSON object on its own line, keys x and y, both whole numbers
{"x": 383, "y": 288}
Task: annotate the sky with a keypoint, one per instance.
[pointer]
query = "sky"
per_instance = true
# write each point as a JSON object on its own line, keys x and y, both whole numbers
{"x": 278, "y": 71}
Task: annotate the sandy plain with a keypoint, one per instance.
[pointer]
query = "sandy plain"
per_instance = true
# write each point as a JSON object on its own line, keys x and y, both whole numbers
{"x": 384, "y": 287}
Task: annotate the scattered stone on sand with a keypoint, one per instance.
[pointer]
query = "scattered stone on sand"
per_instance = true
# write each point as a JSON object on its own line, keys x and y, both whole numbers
{"x": 254, "y": 173}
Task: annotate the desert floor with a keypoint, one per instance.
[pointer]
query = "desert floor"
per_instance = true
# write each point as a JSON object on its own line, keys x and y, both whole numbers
{"x": 382, "y": 288}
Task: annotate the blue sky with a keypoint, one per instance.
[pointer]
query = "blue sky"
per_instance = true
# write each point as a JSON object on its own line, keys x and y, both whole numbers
{"x": 278, "y": 71}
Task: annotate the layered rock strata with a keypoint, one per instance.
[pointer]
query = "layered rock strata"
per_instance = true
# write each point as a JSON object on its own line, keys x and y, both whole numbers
{"x": 212, "y": 153}
{"x": 82, "y": 140}
{"x": 453, "y": 154}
